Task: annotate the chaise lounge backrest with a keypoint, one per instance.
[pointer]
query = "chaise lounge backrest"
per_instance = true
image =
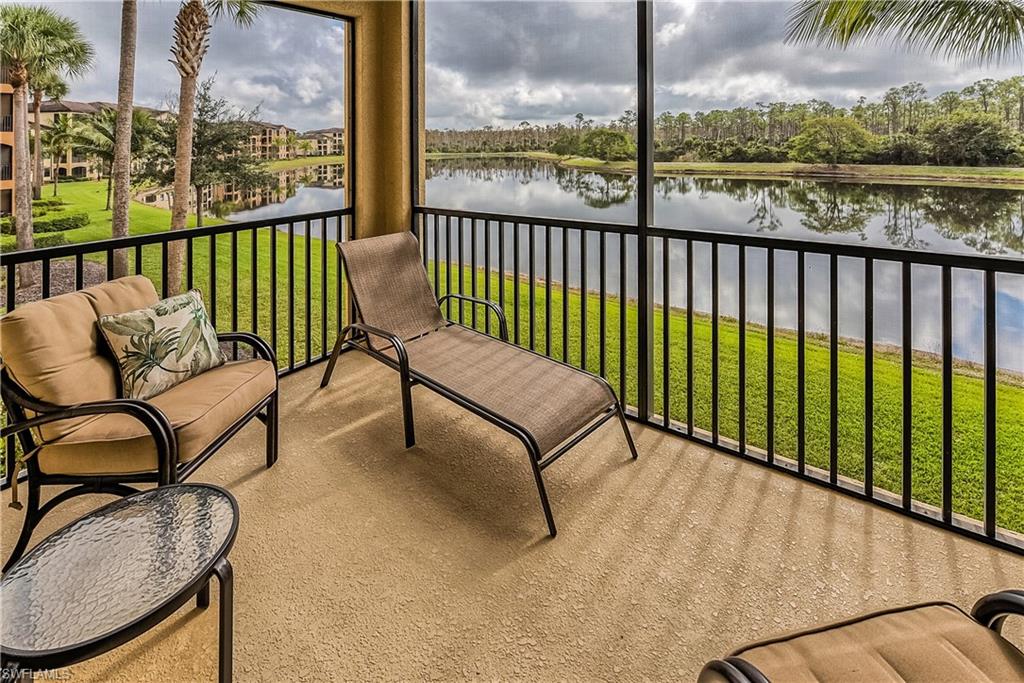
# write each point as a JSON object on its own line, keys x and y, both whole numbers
{"x": 53, "y": 349}
{"x": 390, "y": 286}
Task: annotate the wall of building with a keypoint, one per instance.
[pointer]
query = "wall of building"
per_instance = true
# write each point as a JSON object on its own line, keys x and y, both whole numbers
{"x": 6, "y": 149}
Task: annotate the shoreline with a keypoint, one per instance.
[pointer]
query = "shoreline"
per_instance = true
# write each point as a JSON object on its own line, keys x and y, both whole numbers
{"x": 950, "y": 176}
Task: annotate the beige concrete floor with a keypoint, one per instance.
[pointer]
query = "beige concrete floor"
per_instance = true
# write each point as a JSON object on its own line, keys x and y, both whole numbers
{"x": 357, "y": 559}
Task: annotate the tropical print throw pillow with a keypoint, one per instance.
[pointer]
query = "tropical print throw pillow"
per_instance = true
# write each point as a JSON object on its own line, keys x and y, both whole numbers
{"x": 163, "y": 345}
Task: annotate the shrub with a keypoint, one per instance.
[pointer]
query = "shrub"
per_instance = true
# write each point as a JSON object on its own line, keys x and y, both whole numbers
{"x": 832, "y": 140}
{"x": 900, "y": 149}
{"x": 971, "y": 139}
{"x": 49, "y": 239}
{"x": 608, "y": 145}
{"x": 57, "y": 222}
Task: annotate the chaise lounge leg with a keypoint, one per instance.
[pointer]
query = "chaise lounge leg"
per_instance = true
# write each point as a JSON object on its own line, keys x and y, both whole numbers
{"x": 543, "y": 496}
{"x": 31, "y": 519}
{"x": 625, "y": 430}
{"x": 272, "y": 431}
{"x": 410, "y": 429}
{"x": 334, "y": 359}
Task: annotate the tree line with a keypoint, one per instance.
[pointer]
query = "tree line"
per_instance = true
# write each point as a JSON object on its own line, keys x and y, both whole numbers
{"x": 982, "y": 124}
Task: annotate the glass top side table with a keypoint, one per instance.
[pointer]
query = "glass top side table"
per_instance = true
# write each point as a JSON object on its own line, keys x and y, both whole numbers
{"x": 117, "y": 572}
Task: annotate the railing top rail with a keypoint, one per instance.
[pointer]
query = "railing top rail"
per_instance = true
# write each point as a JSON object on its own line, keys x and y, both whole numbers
{"x": 1001, "y": 264}
{"x": 64, "y": 250}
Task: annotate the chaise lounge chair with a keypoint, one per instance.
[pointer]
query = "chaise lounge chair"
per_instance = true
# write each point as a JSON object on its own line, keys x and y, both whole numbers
{"x": 548, "y": 405}
{"x": 935, "y": 641}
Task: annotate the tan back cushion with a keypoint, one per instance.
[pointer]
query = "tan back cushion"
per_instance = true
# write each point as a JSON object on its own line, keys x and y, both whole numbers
{"x": 53, "y": 349}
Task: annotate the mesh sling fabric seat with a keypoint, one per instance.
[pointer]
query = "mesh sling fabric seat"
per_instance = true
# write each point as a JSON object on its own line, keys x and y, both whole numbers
{"x": 60, "y": 387}
{"x": 928, "y": 642}
{"x": 549, "y": 406}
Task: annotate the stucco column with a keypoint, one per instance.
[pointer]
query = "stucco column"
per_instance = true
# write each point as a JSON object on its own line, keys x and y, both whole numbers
{"x": 380, "y": 113}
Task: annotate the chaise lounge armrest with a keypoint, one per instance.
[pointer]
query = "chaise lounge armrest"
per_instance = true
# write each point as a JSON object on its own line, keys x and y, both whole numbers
{"x": 151, "y": 417}
{"x": 992, "y": 610}
{"x": 502, "y": 323}
{"x": 260, "y": 348}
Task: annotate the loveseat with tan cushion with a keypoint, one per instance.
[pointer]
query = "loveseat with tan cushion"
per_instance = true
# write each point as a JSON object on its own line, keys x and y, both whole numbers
{"x": 61, "y": 385}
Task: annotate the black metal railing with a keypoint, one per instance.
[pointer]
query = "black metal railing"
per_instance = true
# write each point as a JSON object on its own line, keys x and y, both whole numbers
{"x": 6, "y": 123}
{"x": 280, "y": 278}
{"x": 814, "y": 401}
{"x": 5, "y": 171}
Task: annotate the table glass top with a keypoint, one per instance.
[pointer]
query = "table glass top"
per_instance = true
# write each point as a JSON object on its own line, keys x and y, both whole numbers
{"x": 113, "y": 566}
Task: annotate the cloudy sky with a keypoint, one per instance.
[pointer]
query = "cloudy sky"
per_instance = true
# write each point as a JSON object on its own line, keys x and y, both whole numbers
{"x": 505, "y": 62}
{"x": 501, "y": 63}
{"x": 288, "y": 63}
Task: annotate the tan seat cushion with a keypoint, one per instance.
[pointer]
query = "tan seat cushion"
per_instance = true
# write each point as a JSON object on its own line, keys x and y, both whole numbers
{"x": 200, "y": 410}
{"x": 548, "y": 399}
{"x": 935, "y": 642}
{"x": 52, "y": 347}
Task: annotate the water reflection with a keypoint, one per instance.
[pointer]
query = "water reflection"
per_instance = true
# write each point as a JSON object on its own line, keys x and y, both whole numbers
{"x": 972, "y": 220}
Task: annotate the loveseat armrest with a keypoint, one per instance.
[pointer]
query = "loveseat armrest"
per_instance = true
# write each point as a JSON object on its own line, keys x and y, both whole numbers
{"x": 992, "y": 610}
{"x": 260, "y": 348}
{"x": 502, "y": 323}
{"x": 151, "y": 417}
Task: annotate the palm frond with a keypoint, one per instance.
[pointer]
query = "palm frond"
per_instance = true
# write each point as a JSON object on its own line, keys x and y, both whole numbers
{"x": 965, "y": 30}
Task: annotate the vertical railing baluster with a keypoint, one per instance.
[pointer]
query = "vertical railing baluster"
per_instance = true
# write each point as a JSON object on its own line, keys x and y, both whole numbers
{"x": 340, "y": 235}
{"x": 110, "y": 266}
{"x": 547, "y": 290}
{"x": 190, "y": 258}
{"x": 501, "y": 265}
{"x": 462, "y": 269}
{"x": 234, "y": 289}
{"x": 515, "y": 282}
{"x": 307, "y": 285}
{"x": 714, "y": 342}
{"x": 602, "y": 311}
{"x": 79, "y": 271}
{"x": 10, "y": 304}
{"x": 472, "y": 272}
{"x": 273, "y": 286}
{"x": 908, "y": 406}
{"x": 448, "y": 263}
{"x": 833, "y": 372}
{"x": 45, "y": 284}
{"x": 869, "y": 377}
{"x": 801, "y": 362}
{"x": 533, "y": 287}
{"x": 487, "y": 273}
{"x": 689, "y": 337}
{"x": 990, "y": 403}
{"x": 770, "y": 390}
{"x": 947, "y": 394}
{"x": 138, "y": 259}
{"x": 565, "y": 295}
{"x": 622, "y": 319}
{"x": 291, "y": 295}
{"x": 323, "y": 284}
{"x": 254, "y": 301}
{"x": 213, "y": 279}
{"x": 583, "y": 299}
{"x": 666, "y": 346}
{"x": 437, "y": 257}
{"x": 741, "y": 285}
{"x": 164, "y": 274}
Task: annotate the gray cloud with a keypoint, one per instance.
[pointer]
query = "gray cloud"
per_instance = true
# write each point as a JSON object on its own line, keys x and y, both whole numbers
{"x": 503, "y": 62}
{"x": 289, "y": 64}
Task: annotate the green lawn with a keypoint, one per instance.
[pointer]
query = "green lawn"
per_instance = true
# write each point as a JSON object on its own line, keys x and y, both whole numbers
{"x": 303, "y": 162}
{"x": 927, "y": 384}
{"x": 1004, "y": 177}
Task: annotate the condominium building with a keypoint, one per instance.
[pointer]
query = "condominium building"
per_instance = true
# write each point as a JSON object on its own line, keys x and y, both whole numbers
{"x": 6, "y": 145}
{"x": 271, "y": 141}
{"x": 322, "y": 142}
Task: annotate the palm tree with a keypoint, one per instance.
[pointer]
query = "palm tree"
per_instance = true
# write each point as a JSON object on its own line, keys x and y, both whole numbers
{"x": 968, "y": 30}
{"x": 52, "y": 86}
{"x": 191, "y": 40}
{"x": 98, "y": 139}
{"x": 57, "y": 140}
{"x": 34, "y": 40}
{"x": 122, "y": 162}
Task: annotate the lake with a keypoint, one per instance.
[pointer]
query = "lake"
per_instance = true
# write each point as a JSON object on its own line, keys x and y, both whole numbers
{"x": 907, "y": 216}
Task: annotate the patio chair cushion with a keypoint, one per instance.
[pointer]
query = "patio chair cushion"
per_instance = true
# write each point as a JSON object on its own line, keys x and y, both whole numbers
{"x": 199, "y": 410}
{"x": 390, "y": 286}
{"x": 550, "y": 400}
{"x": 52, "y": 347}
{"x": 934, "y": 642}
